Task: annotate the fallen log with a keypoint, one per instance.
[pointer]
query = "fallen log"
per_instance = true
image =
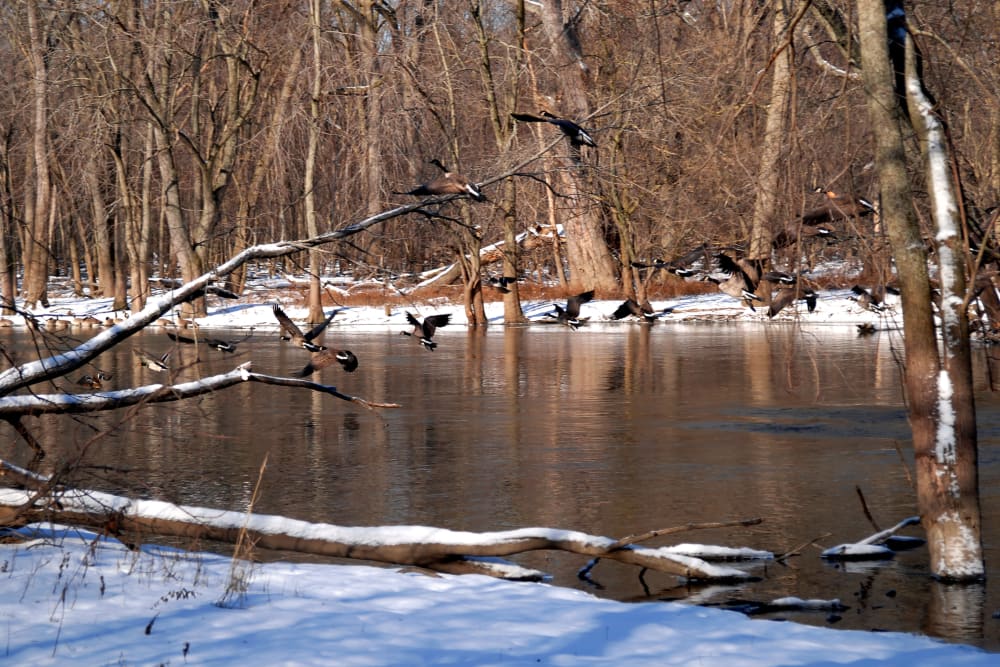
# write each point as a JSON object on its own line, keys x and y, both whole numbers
{"x": 424, "y": 546}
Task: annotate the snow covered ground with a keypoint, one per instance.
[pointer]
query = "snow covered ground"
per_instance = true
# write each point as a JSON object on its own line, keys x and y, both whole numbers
{"x": 69, "y": 597}
{"x": 834, "y": 307}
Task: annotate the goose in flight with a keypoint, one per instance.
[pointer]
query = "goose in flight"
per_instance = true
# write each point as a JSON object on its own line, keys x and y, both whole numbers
{"x": 570, "y": 315}
{"x": 424, "y": 331}
{"x": 146, "y": 360}
{"x": 449, "y": 183}
{"x": 290, "y": 331}
{"x": 577, "y": 135}
{"x": 326, "y": 357}
{"x": 215, "y": 343}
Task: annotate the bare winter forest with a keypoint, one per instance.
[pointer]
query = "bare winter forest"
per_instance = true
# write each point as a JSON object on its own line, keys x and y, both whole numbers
{"x": 168, "y": 139}
{"x": 160, "y": 138}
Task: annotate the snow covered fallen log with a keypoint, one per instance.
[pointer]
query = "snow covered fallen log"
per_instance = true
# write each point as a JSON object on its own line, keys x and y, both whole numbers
{"x": 424, "y": 546}
{"x": 872, "y": 547}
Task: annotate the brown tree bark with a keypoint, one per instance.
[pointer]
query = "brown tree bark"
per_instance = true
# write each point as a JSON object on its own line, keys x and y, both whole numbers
{"x": 948, "y": 474}
{"x": 502, "y": 133}
{"x": 309, "y": 178}
{"x": 941, "y": 429}
{"x": 773, "y": 153}
{"x": 8, "y": 216}
{"x": 37, "y": 239}
{"x": 590, "y": 261}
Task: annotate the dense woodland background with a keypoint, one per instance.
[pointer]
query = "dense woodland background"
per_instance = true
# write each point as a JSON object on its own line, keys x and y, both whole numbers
{"x": 159, "y": 138}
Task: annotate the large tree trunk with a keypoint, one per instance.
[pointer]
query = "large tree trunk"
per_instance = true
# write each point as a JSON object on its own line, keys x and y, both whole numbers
{"x": 941, "y": 429}
{"x": 590, "y": 262}
{"x": 947, "y": 473}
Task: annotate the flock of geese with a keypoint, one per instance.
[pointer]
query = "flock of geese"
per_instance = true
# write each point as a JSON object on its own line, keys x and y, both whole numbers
{"x": 451, "y": 183}
{"x": 736, "y": 276}
{"x": 736, "y": 281}
{"x": 320, "y": 356}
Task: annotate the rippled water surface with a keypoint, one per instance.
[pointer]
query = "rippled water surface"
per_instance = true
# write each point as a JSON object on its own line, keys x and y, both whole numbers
{"x": 611, "y": 430}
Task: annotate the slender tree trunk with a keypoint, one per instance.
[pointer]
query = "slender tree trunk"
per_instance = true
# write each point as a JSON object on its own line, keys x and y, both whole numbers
{"x": 772, "y": 152}
{"x": 312, "y": 229}
{"x": 103, "y": 282}
{"x": 36, "y": 248}
{"x": 8, "y": 279}
{"x": 502, "y": 133}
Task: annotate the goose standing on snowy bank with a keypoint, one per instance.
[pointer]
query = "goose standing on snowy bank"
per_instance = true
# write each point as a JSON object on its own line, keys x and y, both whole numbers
{"x": 449, "y": 183}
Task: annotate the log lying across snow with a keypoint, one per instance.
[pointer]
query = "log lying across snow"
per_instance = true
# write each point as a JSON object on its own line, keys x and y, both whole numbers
{"x": 423, "y": 546}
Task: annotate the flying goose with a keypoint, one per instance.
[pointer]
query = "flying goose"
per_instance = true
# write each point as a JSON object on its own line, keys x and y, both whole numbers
{"x": 644, "y": 311}
{"x": 670, "y": 267}
{"x": 789, "y": 295}
{"x": 215, "y": 290}
{"x": 290, "y": 331}
{"x": 425, "y": 330}
{"x": 324, "y": 358}
{"x": 837, "y": 207}
{"x": 94, "y": 381}
{"x": 792, "y": 233}
{"x": 873, "y": 299}
{"x": 448, "y": 183}
{"x": 866, "y": 329}
{"x": 500, "y": 283}
{"x": 740, "y": 281}
{"x": 577, "y": 135}
{"x": 146, "y": 360}
{"x": 216, "y": 343}
{"x": 570, "y": 315}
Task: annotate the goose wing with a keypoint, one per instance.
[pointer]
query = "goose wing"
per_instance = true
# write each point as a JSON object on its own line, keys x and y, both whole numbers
{"x": 318, "y": 329}
{"x": 286, "y": 323}
{"x": 180, "y": 339}
{"x": 574, "y": 302}
{"x": 417, "y": 326}
{"x": 432, "y": 322}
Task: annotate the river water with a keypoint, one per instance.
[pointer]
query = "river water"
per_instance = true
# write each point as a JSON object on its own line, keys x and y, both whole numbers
{"x": 610, "y": 430}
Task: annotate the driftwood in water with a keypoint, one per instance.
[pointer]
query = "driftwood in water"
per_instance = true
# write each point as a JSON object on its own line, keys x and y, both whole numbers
{"x": 427, "y": 547}
{"x": 870, "y": 548}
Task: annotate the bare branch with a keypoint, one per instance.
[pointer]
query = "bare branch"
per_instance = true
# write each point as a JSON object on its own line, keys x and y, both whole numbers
{"x": 12, "y": 407}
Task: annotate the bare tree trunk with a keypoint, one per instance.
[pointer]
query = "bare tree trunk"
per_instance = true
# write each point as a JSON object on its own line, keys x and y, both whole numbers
{"x": 503, "y": 132}
{"x": 772, "y": 152}
{"x": 309, "y": 178}
{"x": 941, "y": 435}
{"x": 948, "y": 473}
{"x": 36, "y": 248}
{"x": 8, "y": 278}
{"x": 248, "y": 206}
{"x": 590, "y": 260}
{"x": 103, "y": 282}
